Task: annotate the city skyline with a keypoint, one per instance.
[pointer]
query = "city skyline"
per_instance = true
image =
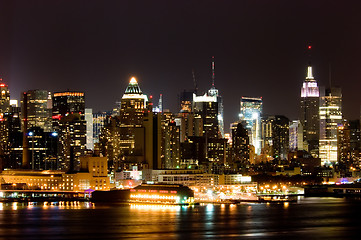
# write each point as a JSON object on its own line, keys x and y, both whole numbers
{"x": 85, "y": 53}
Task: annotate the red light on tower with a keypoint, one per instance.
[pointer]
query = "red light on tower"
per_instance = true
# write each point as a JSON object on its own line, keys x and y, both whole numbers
{"x": 309, "y": 46}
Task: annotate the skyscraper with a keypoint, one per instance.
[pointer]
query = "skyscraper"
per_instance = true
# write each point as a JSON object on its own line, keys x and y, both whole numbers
{"x": 69, "y": 122}
{"x": 240, "y": 146}
{"x": 89, "y": 128}
{"x": 133, "y": 104}
{"x": 207, "y": 108}
{"x": 310, "y": 113}
{"x": 38, "y": 104}
{"x": 170, "y": 145}
{"x": 4, "y": 111}
{"x": 250, "y": 114}
{"x": 330, "y": 120}
{"x": 4, "y": 97}
{"x": 98, "y": 124}
{"x": 296, "y": 136}
{"x": 215, "y": 93}
{"x": 132, "y": 139}
{"x": 275, "y": 134}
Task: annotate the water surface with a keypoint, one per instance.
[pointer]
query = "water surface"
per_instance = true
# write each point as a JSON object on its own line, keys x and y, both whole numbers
{"x": 313, "y": 218}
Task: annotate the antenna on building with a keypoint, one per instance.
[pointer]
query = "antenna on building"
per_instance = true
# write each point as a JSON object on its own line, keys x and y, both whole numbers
{"x": 329, "y": 74}
{"x": 194, "y": 82}
{"x": 309, "y": 53}
{"x": 213, "y": 72}
{"x": 160, "y": 103}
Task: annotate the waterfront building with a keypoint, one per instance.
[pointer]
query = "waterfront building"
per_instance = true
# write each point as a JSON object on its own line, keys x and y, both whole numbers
{"x": 330, "y": 119}
{"x": 92, "y": 175}
{"x": 250, "y": 114}
{"x": 309, "y": 117}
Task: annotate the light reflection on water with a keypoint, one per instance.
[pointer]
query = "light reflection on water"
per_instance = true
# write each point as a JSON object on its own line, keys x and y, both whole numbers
{"x": 332, "y": 218}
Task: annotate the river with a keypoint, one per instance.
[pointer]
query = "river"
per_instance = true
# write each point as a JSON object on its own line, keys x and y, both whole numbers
{"x": 312, "y": 218}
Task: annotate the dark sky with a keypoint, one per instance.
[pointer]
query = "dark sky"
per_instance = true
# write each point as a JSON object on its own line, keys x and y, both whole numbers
{"x": 259, "y": 46}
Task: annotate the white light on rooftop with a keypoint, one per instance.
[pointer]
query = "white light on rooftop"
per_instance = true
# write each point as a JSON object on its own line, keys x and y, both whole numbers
{"x": 133, "y": 80}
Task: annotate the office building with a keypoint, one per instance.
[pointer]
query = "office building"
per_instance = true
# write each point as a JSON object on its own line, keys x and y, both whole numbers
{"x": 330, "y": 120}
{"x": 240, "y": 146}
{"x": 98, "y": 124}
{"x": 296, "y": 135}
{"x": 37, "y": 109}
{"x": 250, "y": 115}
{"x": 69, "y": 122}
{"x": 275, "y": 135}
{"x": 89, "y": 129}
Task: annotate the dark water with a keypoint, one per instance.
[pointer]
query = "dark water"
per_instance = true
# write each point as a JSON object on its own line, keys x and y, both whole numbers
{"x": 312, "y": 218}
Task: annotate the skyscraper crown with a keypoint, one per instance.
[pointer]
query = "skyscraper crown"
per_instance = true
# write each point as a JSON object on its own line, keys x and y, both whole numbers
{"x": 133, "y": 87}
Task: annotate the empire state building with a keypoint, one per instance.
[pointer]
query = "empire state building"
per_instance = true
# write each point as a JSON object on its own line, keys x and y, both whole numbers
{"x": 310, "y": 113}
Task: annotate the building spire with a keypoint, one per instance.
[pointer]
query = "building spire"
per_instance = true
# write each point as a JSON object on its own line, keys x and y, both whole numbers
{"x": 133, "y": 87}
{"x": 213, "y": 91}
{"x": 309, "y": 73}
{"x": 160, "y": 103}
{"x": 309, "y": 68}
{"x": 213, "y": 73}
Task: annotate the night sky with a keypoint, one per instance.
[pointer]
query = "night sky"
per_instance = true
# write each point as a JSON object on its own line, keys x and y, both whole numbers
{"x": 259, "y": 47}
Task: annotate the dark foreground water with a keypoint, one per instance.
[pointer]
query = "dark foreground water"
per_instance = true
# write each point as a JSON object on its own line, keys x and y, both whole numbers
{"x": 312, "y": 218}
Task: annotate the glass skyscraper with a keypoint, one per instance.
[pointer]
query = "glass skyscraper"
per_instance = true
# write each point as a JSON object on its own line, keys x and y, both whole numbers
{"x": 250, "y": 113}
{"x": 330, "y": 120}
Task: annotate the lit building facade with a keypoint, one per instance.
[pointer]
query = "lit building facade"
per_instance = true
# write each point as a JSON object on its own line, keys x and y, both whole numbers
{"x": 170, "y": 142}
{"x": 89, "y": 128}
{"x": 330, "y": 120}
{"x": 275, "y": 134}
{"x": 4, "y": 97}
{"x": 133, "y": 104}
{"x": 310, "y": 119}
{"x": 251, "y": 113}
{"x": 206, "y": 107}
{"x": 92, "y": 175}
{"x": 296, "y": 136}
{"x": 37, "y": 109}
{"x": 240, "y": 146}
{"x": 69, "y": 122}
{"x": 133, "y": 137}
{"x": 98, "y": 124}
{"x": 4, "y": 111}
